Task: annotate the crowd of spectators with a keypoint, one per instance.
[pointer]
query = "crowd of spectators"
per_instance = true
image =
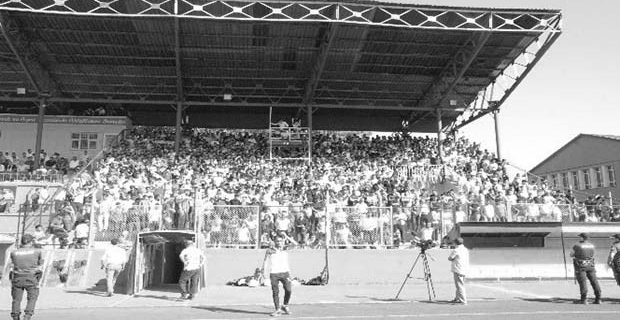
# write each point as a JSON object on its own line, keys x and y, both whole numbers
{"x": 52, "y": 167}
{"x": 358, "y": 190}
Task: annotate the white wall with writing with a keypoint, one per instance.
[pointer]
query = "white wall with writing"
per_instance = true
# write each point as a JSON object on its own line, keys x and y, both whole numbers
{"x": 18, "y": 133}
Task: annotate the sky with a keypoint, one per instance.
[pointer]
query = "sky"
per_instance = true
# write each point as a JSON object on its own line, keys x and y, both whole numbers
{"x": 571, "y": 90}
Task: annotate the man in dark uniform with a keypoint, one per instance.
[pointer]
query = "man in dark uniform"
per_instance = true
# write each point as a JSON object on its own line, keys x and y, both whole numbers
{"x": 27, "y": 263}
{"x": 583, "y": 261}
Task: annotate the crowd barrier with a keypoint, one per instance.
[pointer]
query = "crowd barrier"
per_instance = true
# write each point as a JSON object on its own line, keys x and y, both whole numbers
{"x": 255, "y": 226}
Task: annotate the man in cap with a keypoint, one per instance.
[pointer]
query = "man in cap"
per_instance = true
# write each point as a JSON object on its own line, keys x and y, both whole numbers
{"x": 460, "y": 264}
{"x": 614, "y": 257}
{"x": 113, "y": 262}
{"x": 193, "y": 259}
{"x": 583, "y": 262}
{"x": 27, "y": 263}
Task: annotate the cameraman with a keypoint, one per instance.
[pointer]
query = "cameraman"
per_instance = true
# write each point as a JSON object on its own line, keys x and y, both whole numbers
{"x": 27, "y": 263}
{"x": 460, "y": 264}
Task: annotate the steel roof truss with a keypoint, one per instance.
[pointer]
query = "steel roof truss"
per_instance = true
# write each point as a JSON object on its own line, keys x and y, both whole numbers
{"x": 495, "y": 94}
{"x": 29, "y": 61}
{"x": 393, "y": 15}
{"x": 452, "y": 74}
{"x": 319, "y": 65}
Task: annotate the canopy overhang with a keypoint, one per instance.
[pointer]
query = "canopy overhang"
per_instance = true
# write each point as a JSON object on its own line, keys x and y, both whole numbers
{"x": 355, "y": 65}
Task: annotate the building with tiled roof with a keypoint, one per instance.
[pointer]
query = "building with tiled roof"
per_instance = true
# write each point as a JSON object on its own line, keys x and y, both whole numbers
{"x": 587, "y": 165}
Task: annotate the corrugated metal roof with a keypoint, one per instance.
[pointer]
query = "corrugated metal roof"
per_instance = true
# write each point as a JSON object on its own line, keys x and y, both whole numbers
{"x": 606, "y": 136}
{"x": 132, "y": 59}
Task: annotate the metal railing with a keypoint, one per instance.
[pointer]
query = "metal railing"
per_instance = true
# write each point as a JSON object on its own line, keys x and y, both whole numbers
{"x": 31, "y": 176}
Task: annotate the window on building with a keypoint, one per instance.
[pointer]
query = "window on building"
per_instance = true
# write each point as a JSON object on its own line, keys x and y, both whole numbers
{"x": 565, "y": 183}
{"x": 586, "y": 179}
{"x": 598, "y": 177}
{"x": 83, "y": 141}
{"x": 575, "y": 175}
{"x": 554, "y": 181}
{"x": 611, "y": 175}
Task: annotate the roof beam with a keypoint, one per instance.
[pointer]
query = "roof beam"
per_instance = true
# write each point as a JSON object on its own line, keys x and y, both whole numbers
{"x": 450, "y": 76}
{"x": 358, "y": 51}
{"x": 319, "y": 66}
{"x": 29, "y": 62}
{"x": 219, "y": 104}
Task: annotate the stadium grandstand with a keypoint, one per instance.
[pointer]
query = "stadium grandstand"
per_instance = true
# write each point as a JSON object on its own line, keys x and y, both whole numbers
{"x": 250, "y": 118}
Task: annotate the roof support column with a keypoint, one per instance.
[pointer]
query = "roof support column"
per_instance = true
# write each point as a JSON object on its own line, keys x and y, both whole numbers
{"x": 310, "y": 139}
{"x": 439, "y": 128}
{"x": 497, "y": 144}
{"x": 177, "y": 136}
{"x": 37, "y": 145}
{"x": 179, "y": 78}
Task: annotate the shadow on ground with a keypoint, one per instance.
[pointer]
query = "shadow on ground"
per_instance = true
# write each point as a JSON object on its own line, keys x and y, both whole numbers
{"x": 439, "y": 302}
{"x": 568, "y": 301}
{"x": 229, "y": 310}
{"x": 550, "y": 300}
{"x": 160, "y": 297}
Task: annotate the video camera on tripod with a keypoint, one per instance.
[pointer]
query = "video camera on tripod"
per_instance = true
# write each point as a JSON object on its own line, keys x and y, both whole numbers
{"x": 424, "y": 244}
{"x": 423, "y": 256}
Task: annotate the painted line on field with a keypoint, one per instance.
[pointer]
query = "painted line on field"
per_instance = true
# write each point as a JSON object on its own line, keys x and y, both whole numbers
{"x": 434, "y": 315}
{"x": 120, "y": 301}
{"x": 510, "y": 291}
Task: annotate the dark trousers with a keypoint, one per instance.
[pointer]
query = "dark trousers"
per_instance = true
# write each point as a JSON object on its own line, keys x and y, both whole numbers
{"x": 19, "y": 285}
{"x": 275, "y": 279}
{"x": 400, "y": 228}
{"x": 590, "y": 274}
{"x": 189, "y": 281}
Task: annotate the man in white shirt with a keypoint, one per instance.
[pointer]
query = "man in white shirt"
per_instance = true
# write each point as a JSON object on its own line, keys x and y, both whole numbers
{"x": 81, "y": 233}
{"x": 193, "y": 260}
{"x": 460, "y": 266}
{"x": 277, "y": 258}
{"x": 113, "y": 261}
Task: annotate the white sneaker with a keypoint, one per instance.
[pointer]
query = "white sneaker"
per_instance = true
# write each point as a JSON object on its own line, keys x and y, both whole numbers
{"x": 285, "y": 309}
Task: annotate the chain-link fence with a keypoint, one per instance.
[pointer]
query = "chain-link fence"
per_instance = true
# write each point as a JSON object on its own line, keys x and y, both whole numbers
{"x": 119, "y": 220}
{"x": 230, "y": 226}
{"x": 363, "y": 226}
{"x": 256, "y": 226}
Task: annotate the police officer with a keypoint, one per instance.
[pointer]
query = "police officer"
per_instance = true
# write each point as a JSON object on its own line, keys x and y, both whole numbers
{"x": 27, "y": 265}
{"x": 613, "y": 260}
{"x": 583, "y": 261}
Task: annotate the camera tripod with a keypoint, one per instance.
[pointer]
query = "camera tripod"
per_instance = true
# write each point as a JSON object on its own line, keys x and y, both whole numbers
{"x": 427, "y": 275}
